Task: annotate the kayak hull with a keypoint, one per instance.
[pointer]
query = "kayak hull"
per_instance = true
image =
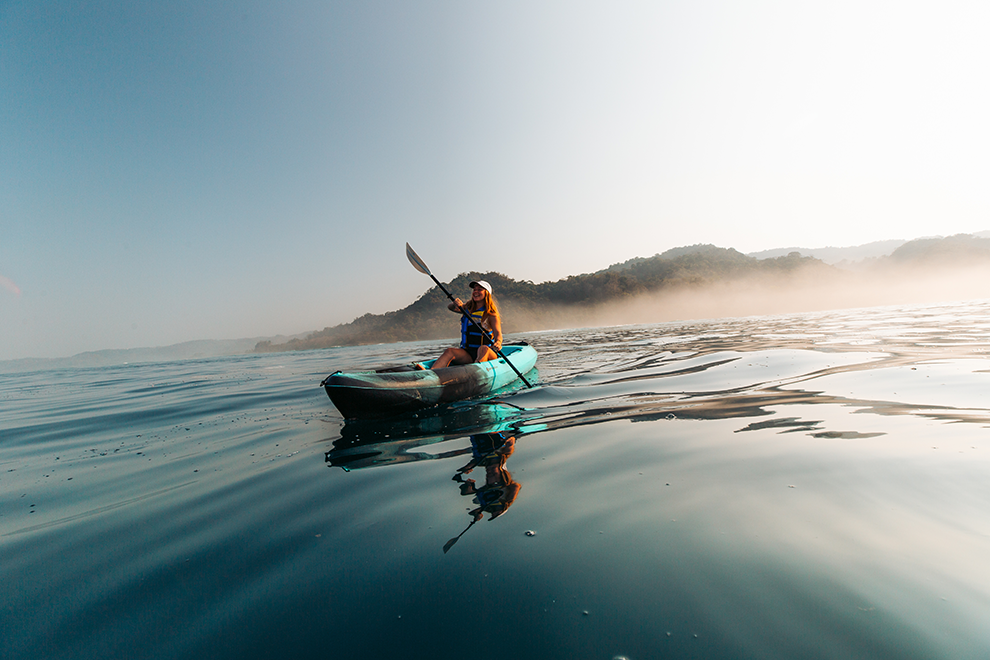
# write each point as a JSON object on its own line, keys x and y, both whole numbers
{"x": 387, "y": 392}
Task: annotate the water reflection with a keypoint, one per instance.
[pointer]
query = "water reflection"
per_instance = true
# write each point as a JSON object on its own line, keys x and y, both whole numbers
{"x": 827, "y": 386}
{"x": 486, "y": 432}
{"x": 373, "y": 443}
{"x": 688, "y": 387}
{"x": 765, "y": 372}
{"x": 489, "y": 451}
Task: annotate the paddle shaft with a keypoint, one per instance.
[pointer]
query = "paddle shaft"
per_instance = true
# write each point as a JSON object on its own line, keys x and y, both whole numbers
{"x": 483, "y": 331}
{"x": 419, "y": 265}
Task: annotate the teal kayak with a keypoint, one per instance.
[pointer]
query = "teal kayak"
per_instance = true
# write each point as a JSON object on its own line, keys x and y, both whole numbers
{"x": 391, "y": 391}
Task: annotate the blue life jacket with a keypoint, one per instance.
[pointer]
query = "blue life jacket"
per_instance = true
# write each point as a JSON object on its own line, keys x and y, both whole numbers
{"x": 471, "y": 336}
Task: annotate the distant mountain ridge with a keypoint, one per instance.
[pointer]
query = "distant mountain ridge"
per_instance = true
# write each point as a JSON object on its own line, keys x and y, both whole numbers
{"x": 678, "y": 273}
{"x": 188, "y": 350}
{"x": 851, "y": 254}
{"x": 837, "y": 255}
{"x": 532, "y": 306}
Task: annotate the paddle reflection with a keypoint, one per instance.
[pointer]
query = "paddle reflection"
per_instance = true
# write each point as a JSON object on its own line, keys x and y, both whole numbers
{"x": 491, "y": 431}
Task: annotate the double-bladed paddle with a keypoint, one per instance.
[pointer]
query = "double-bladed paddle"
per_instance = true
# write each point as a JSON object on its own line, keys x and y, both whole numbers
{"x": 419, "y": 265}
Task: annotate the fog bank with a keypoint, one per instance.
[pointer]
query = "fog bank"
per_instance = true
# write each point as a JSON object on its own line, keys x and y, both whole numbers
{"x": 806, "y": 291}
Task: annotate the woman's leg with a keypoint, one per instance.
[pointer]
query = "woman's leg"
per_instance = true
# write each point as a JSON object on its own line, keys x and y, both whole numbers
{"x": 485, "y": 353}
{"x": 452, "y": 356}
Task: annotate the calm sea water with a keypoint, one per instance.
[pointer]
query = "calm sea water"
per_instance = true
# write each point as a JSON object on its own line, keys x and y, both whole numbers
{"x": 805, "y": 486}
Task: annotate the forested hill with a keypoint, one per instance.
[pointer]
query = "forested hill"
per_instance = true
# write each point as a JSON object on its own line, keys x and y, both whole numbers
{"x": 685, "y": 271}
{"x": 529, "y": 306}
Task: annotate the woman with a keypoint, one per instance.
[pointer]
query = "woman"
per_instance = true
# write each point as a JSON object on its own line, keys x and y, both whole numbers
{"x": 475, "y": 347}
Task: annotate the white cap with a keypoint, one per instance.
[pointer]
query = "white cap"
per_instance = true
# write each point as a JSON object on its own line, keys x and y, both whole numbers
{"x": 483, "y": 284}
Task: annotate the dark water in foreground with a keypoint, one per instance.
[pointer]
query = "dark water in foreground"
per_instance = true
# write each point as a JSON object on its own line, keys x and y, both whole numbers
{"x": 808, "y": 486}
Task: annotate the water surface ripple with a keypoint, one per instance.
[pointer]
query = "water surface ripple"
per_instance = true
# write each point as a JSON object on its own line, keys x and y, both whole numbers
{"x": 799, "y": 486}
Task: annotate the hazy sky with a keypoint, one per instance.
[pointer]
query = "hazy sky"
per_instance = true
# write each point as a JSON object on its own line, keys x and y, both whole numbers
{"x": 208, "y": 170}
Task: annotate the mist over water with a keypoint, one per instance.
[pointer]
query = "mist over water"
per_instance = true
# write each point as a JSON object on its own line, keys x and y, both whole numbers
{"x": 791, "y": 486}
{"x": 806, "y": 290}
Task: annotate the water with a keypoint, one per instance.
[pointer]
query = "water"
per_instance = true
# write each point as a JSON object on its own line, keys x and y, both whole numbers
{"x": 807, "y": 486}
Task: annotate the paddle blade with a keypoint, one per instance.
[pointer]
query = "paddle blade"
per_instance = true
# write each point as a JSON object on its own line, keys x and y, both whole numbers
{"x": 449, "y": 544}
{"x": 416, "y": 261}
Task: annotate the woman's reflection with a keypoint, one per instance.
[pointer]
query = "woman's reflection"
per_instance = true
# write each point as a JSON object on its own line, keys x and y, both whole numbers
{"x": 489, "y": 451}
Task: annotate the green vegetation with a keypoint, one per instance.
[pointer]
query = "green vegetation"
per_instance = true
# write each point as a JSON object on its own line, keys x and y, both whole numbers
{"x": 686, "y": 270}
{"x": 961, "y": 248}
{"x": 528, "y": 306}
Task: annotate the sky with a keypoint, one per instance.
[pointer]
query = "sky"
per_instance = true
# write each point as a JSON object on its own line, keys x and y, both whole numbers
{"x": 172, "y": 171}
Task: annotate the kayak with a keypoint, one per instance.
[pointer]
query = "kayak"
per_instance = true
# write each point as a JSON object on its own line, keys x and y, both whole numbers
{"x": 395, "y": 390}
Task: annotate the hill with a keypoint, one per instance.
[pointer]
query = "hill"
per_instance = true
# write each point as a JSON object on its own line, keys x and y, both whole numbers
{"x": 952, "y": 250}
{"x": 529, "y": 306}
{"x": 189, "y": 350}
{"x": 837, "y": 255}
{"x": 698, "y": 281}
{"x": 852, "y": 256}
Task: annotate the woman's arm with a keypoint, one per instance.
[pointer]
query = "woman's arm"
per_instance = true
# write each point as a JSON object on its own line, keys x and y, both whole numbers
{"x": 495, "y": 323}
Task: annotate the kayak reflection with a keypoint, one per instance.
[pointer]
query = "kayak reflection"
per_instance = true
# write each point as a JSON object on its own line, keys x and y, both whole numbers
{"x": 486, "y": 433}
{"x": 374, "y": 443}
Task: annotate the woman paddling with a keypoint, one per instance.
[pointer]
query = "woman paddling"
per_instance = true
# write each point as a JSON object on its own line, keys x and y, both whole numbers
{"x": 475, "y": 346}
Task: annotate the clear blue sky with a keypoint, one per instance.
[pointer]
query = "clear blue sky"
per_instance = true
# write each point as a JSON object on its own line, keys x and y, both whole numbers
{"x": 207, "y": 170}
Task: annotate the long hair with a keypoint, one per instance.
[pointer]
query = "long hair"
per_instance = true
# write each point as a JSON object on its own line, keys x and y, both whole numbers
{"x": 489, "y": 304}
